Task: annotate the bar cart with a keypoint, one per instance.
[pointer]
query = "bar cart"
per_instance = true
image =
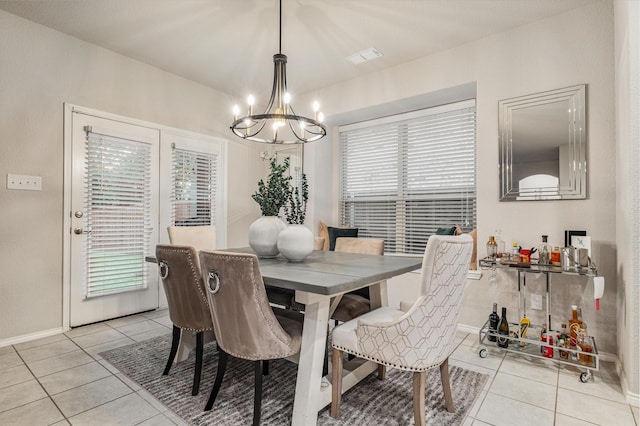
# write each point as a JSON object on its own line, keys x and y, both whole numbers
{"x": 587, "y": 361}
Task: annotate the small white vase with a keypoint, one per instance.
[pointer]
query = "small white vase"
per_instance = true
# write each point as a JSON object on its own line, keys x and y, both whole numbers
{"x": 295, "y": 242}
{"x": 263, "y": 235}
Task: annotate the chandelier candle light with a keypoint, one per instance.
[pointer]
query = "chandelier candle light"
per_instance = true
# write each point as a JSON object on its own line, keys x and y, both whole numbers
{"x": 279, "y": 123}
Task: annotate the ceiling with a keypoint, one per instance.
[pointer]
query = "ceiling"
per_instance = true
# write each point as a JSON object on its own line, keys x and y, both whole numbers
{"x": 229, "y": 44}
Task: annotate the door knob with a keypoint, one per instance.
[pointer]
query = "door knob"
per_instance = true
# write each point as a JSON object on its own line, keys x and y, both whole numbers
{"x": 80, "y": 231}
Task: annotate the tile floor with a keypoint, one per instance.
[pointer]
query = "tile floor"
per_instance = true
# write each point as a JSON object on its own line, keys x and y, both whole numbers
{"x": 62, "y": 380}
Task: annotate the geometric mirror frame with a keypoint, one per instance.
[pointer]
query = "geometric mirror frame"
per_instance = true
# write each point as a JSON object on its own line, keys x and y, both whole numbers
{"x": 543, "y": 145}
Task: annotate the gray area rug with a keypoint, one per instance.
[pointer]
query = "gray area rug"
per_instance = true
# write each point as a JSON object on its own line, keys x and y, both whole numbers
{"x": 371, "y": 402}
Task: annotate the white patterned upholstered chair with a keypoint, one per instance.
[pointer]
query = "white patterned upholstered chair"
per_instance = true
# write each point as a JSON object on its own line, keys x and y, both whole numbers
{"x": 417, "y": 340}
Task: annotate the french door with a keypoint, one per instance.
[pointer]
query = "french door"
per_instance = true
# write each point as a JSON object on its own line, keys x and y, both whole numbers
{"x": 114, "y": 217}
{"x": 129, "y": 180}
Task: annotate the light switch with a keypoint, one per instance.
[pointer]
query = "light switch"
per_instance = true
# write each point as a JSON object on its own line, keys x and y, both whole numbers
{"x": 24, "y": 182}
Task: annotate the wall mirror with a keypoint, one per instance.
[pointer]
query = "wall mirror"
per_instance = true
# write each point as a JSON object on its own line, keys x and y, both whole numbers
{"x": 295, "y": 154}
{"x": 543, "y": 146}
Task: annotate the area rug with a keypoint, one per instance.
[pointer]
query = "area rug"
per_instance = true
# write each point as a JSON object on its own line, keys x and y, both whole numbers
{"x": 371, "y": 402}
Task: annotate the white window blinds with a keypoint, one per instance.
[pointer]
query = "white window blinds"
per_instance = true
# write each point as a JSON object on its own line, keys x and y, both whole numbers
{"x": 403, "y": 177}
{"x": 194, "y": 187}
{"x": 118, "y": 215}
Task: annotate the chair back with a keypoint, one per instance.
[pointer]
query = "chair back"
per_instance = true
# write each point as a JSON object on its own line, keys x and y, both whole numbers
{"x": 244, "y": 323}
{"x": 360, "y": 245}
{"x": 433, "y": 317}
{"x": 201, "y": 237}
{"x": 183, "y": 286}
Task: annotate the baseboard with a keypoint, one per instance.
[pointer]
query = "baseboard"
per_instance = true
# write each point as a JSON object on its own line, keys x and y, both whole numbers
{"x": 631, "y": 397}
{"x": 31, "y": 336}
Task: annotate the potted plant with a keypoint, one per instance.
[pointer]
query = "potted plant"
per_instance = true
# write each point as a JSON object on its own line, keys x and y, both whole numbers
{"x": 295, "y": 242}
{"x": 271, "y": 196}
{"x": 274, "y": 194}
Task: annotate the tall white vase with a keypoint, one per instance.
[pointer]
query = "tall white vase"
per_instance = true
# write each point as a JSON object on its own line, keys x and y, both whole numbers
{"x": 263, "y": 235}
{"x": 295, "y": 242}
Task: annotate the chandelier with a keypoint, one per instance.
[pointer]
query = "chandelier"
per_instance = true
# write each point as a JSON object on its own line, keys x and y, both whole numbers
{"x": 279, "y": 124}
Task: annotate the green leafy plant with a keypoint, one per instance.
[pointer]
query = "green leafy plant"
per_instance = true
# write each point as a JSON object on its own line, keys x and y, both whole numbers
{"x": 296, "y": 208}
{"x": 275, "y": 193}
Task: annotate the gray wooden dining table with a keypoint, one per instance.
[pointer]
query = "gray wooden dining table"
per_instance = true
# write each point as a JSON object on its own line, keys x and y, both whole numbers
{"x": 318, "y": 282}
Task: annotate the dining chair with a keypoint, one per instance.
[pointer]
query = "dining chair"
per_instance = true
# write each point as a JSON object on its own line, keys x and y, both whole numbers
{"x": 245, "y": 325}
{"x": 201, "y": 237}
{"x": 188, "y": 306}
{"x": 356, "y": 303}
{"x": 417, "y": 340}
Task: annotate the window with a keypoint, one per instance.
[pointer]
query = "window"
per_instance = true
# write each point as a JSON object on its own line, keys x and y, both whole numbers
{"x": 118, "y": 214}
{"x": 405, "y": 176}
{"x": 194, "y": 187}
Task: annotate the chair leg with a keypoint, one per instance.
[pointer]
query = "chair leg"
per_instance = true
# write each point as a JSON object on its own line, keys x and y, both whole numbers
{"x": 222, "y": 365}
{"x": 382, "y": 371}
{"x": 257, "y": 396}
{"x": 174, "y": 349}
{"x": 198, "y": 367}
{"x": 336, "y": 382}
{"x": 446, "y": 387}
{"x": 419, "y": 381}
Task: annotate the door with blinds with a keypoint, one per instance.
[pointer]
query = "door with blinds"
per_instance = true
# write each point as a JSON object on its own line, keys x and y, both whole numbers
{"x": 114, "y": 219}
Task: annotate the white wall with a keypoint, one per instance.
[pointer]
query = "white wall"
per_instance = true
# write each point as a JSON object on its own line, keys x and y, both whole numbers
{"x": 627, "y": 62}
{"x": 561, "y": 51}
{"x": 40, "y": 69}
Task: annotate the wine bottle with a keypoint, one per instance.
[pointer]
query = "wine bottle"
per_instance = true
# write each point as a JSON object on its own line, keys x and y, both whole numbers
{"x": 494, "y": 320}
{"x": 503, "y": 330}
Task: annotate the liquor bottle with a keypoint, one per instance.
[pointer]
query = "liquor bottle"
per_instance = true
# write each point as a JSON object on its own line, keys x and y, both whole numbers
{"x": 585, "y": 347}
{"x": 492, "y": 247}
{"x": 555, "y": 256}
{"x": 503, "y": 330}
{"x": 494, "y": 320}
{"x": 544, "y": 252}
{"x": 575, "y": 324}
{"x": 524, "y": 326}
{"x": 563, "y": 341}
{"x": 515, "y": 252}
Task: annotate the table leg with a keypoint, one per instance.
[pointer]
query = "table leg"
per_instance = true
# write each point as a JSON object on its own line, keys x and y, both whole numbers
{"x": 378, "y": 294}
{"x": 314, "y": 342}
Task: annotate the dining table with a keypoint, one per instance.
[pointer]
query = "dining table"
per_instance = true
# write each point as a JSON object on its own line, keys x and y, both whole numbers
{"x": 319, "y": 281}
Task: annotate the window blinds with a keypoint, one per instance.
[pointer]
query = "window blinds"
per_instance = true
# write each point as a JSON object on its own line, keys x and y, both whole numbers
{"x": 117, "y": 214}
{"x": 403, "y": 177}
{"x": 194, "y": 187}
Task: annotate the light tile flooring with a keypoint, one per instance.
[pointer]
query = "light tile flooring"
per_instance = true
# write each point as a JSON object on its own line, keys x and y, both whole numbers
{"x": 62, "y": 380}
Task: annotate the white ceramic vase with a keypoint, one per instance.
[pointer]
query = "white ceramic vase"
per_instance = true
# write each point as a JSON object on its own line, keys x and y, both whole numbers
{"x": 295, "y": 242}
{"x": 263, "y": 235}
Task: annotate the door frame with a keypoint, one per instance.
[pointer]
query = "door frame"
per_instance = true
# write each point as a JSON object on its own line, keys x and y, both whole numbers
{"x": 69, "y": 109}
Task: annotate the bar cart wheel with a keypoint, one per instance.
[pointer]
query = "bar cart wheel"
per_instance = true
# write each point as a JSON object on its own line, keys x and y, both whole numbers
{"x": 483, "y": 353}
{"x": 584, "y": 377}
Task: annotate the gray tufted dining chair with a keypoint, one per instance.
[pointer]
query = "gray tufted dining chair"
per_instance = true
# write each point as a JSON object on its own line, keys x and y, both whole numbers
{"x": 188, "y": 306}
{"x": 417, "y": 340}
{"x": 245, "y": 324}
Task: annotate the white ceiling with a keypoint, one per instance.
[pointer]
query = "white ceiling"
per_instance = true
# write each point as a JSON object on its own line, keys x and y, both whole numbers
{"x": 229, "y": 44}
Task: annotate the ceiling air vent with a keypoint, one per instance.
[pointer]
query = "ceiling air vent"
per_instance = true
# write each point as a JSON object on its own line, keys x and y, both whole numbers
{"x": 364, "y": 56}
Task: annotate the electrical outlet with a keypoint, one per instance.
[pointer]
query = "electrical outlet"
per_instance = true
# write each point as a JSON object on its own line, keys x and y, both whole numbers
{"x": 536, "y": 302}
{"x": 24, "y": 182}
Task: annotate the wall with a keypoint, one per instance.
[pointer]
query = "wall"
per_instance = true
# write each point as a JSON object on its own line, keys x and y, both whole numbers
{"x": 561, "y": 51}
{"x": 40, "y": 69}
{"x": 627, "y": 62}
